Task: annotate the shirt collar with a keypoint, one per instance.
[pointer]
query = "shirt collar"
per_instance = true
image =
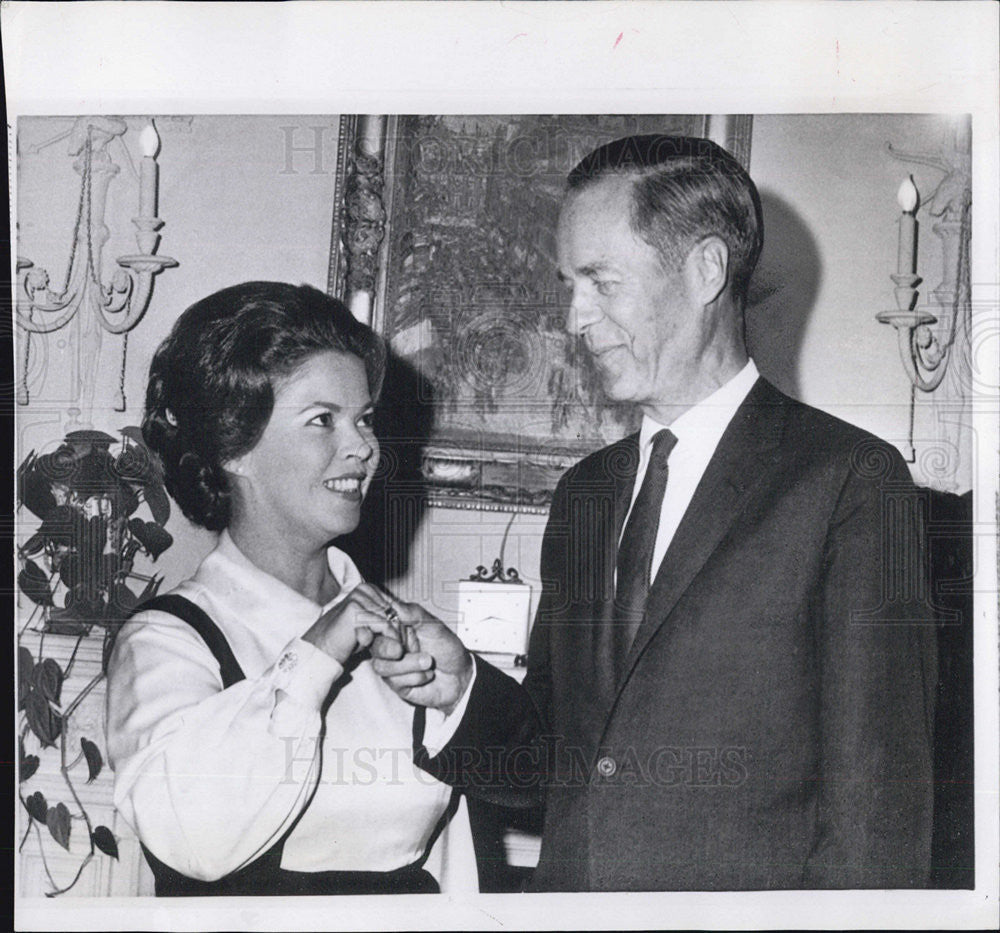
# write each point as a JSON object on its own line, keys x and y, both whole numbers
{"x": 707, "y": 421}
{"x": 253, "y": 594}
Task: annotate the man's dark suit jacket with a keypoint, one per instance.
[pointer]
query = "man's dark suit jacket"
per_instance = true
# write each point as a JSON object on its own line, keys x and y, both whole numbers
{"x": 772, "y": 728}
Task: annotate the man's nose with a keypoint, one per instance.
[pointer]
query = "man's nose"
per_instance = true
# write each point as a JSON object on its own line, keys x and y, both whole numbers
{"x": 581, "y": 314}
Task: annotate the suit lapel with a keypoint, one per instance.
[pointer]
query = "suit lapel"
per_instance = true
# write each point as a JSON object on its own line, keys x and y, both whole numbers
{"x": 617, "y": 469}
{"x": 738, "y": 466}
{"x": 623, "y": 467}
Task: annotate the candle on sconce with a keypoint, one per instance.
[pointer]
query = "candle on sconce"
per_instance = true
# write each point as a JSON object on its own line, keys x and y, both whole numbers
{"x": 149, "y": 142}
{"x": 908, "y": 198}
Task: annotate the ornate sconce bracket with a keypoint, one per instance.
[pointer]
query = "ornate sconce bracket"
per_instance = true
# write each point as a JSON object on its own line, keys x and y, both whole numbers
{"x": 119, "y": 306}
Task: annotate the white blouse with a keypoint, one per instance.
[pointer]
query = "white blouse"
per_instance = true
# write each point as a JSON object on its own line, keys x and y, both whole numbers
{"x": 210, "y": 778}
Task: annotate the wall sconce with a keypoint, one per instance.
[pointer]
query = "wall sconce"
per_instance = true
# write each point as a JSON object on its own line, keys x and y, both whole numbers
{"x": 935, "y": 340}
{"x": 926, "y": 352}
{"x": 924, "y": 359}
{"x": 118, "y": 307}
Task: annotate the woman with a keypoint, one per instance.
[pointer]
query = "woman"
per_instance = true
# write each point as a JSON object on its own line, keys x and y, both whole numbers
{"x": 255, "y": 750}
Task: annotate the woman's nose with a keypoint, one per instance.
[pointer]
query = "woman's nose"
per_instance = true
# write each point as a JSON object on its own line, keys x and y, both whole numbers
{"x": 359, "y": 445}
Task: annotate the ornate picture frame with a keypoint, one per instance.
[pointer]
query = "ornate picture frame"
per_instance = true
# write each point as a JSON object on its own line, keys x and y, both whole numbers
{"x": 443, "y": 241}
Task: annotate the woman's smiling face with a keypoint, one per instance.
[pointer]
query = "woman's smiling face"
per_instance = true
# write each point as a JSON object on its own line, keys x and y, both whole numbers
{"x": 307, "y": 475}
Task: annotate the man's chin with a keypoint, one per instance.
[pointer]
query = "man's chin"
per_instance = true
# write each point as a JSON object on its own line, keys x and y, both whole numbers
{"x": 616, "y": 387}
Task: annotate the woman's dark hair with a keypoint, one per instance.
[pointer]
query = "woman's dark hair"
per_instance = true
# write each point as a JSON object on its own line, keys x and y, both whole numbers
{"x": 211, "y": 382}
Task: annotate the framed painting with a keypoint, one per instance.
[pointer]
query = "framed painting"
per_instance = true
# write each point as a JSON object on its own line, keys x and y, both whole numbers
{"x": 444, "y": 240}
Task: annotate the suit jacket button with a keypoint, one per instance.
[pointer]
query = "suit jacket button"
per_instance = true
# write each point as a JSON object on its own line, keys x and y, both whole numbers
{"x": 606, "y": 766}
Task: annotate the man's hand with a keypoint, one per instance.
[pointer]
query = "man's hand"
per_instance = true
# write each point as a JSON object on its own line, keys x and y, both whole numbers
{"x": 426, "y": 664}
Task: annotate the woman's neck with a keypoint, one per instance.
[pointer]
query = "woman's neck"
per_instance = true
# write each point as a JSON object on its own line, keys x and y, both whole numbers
{"x": 303, "y": 568}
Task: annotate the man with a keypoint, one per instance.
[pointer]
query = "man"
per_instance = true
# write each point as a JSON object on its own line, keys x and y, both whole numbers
{"x": 731, "y": 671}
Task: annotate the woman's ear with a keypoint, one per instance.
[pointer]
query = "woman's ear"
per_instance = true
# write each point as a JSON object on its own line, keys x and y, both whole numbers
{"x": 707, "y": 269}
{"x": 238, "y": 466}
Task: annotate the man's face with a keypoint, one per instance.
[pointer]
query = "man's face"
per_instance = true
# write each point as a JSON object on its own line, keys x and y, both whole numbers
{"x": 635, "y": 316}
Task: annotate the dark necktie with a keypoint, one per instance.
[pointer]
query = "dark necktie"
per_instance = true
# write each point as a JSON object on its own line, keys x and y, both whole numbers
{"x": 635, "y": 553}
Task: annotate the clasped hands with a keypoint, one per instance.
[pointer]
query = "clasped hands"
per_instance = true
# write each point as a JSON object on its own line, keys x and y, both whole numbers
{"x": 414, "y": 652}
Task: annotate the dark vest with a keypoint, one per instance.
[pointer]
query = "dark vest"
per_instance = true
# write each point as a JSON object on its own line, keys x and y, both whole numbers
{"x": 265, "y": 876}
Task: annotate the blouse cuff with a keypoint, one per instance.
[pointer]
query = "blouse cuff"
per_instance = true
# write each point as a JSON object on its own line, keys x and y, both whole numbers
{"x": 305, "y": 673}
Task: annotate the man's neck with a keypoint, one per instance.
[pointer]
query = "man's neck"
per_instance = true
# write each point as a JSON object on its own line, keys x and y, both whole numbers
{"x": 710, "y": 376}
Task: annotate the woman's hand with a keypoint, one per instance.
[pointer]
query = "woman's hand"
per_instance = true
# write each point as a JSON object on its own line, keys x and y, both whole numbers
{"x": 353, "y": 623}
{"x": 424, "y": 662}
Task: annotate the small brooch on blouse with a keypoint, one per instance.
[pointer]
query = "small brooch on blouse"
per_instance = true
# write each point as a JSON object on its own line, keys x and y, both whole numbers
{"x": 288, "y": 661}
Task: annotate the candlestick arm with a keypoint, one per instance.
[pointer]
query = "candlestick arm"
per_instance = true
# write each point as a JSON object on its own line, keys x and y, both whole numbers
{"x": 33, "y": 281}
{"x": 919, "y": 350}
{"x": 130, "y": 291}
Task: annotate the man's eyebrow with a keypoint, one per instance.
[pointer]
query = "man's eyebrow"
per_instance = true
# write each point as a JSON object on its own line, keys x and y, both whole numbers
{"x": 591, "y": 269}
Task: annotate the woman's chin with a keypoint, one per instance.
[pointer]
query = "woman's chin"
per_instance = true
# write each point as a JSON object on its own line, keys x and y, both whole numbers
{"x": 346, "y": 521}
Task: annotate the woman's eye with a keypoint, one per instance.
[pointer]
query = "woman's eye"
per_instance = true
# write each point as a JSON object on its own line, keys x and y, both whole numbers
{"x": 367, "y": 420}
{"x": 324, "y": 419}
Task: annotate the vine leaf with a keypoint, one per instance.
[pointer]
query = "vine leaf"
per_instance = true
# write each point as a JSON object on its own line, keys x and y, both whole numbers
{"x": 60, "y": 525}
{"x": 151, "y": 536}
{"x": 34, "y": 583}
{"x": 28, "y": 764}
{"x": 105, "y": 841}
{"x": 48, "y": 679}
{"x": 25, "y": 665}
{"x": 38, "y": 807}
{"x": 94, "y": 760}
{"x": 125, "y": 502}
{"x": 133, "y": 433}
{"x": 34, "y": 489}
{"x": 57, "y": 820}
{"x": 41, "y": 719}
{"x": 34, "y": 545}
{"x": 136, "y": 464}
{"x": 122, "y": 600}
{"x": 159, "y": 504}
{"x": 71, "y": 570}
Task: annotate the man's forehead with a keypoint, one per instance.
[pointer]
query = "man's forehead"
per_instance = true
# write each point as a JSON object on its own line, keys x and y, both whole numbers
{"x": 608, "y": 189}
{"x": 608, "y": 197}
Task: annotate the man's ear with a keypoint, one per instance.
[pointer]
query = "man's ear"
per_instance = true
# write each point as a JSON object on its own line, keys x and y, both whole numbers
{"x": 707, "y": 269}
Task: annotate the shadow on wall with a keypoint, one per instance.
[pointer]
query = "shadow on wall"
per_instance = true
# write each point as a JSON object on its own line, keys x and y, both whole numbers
{"x": 782, "y": 293}
{"x": 383, "y": 542}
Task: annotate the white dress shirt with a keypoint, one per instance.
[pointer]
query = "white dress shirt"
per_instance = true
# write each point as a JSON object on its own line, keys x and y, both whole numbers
{"x": 211, "y": 778}
{"x": 698, "y": 432}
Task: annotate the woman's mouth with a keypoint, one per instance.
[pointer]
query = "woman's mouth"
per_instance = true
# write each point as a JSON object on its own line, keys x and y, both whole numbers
{"x": 344, "y": 485}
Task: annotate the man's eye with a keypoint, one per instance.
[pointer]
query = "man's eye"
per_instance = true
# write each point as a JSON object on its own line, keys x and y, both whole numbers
{"x": 367, "y": 420}
{"x": 605, "y": 288}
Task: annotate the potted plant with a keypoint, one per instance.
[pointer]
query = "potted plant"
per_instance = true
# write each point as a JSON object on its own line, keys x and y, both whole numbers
{"x": 101, "y": 502}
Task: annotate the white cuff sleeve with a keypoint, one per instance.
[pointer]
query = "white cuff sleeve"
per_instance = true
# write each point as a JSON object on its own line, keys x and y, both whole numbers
{"x": 305, "y": 673}
{"x": 440, "y": 728}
